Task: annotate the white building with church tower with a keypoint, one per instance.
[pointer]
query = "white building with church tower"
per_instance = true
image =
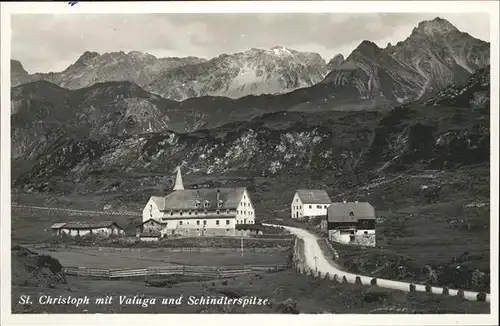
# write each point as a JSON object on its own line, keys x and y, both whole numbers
{"x": 198, "y": 212}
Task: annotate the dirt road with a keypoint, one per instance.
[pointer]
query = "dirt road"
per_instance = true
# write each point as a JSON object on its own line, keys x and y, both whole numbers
{"x": 314, "y": 258}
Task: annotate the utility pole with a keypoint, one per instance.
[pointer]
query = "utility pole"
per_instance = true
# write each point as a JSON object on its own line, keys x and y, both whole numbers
{"x": 241, "y": 242}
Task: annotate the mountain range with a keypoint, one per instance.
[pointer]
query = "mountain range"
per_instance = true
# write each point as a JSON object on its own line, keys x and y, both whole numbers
{"x": 420, "y": 104}
{"x": 435, "y": 55}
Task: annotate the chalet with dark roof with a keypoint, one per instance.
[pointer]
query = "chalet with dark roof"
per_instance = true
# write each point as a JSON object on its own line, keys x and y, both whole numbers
{"x": 352, "y": 223}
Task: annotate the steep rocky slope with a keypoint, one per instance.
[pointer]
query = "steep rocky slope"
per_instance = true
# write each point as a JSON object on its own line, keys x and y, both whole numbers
{"x": 272, "y": 153}
{"x": 92, "y": 67}
{"x": 435, "y": 55}
{"x": 255, "y": 71}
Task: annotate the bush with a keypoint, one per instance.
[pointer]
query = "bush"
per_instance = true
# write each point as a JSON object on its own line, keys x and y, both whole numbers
{"x": 288, "y": 306}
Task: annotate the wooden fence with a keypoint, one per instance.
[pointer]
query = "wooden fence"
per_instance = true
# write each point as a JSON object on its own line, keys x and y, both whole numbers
{"x": 200, "y": 271}
{"x": 149, "y": 249}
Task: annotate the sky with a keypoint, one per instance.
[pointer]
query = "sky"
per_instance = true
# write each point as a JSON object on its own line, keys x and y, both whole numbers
{"x": 50, "y": 42}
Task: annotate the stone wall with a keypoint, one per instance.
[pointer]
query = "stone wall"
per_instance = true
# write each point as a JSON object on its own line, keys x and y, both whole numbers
{"x": 360, "y": 239}
{"x": 366, "y": 240}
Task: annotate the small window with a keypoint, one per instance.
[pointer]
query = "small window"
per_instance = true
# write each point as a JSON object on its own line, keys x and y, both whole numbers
{"x": 217, "y": 212}
{"x": 366, "y": 232}
{"x": 180, "y": 222}
{"x": 227, "y": 211}
{"x": 189, "y": 213}
{"x": 206, "y": 212}
{"x": 171, "y": 213}
{"x": 351, "y": 214}
{"x": 310, "y": 206}
{"x": 227, "y": 229}
{"x": 197, "y": 222}
{"x": 228, "y": 222}
{"x": 195, "y": 213}
{"x": 180, "y": 213}
{"x": 217, "y": 222}
{"x": 204, "y": 222}
{"x": 319, "y": 206}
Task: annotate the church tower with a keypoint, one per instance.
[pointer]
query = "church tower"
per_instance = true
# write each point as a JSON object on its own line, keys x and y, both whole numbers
{"x": 178, "y": 180}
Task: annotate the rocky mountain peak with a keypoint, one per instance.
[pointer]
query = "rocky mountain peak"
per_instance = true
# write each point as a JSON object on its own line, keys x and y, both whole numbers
{"x": 16, "y": 67}
{"x": 437, "y": 26}
{"x": 86, "y": 58}
{"x": 368, "y": 48}
{"x": 335, "y": 62}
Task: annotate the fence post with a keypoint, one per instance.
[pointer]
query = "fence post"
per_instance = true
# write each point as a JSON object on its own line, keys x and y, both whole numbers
{"x": 428, "y": 288}
{"x": 344, "y": 280}
{"x": 446, "y": 291}
{"x": 358, "y": 280}
{"x": 461, "y": 294}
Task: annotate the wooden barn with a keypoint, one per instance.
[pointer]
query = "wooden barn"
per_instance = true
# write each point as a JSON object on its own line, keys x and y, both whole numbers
{"x": 83, "y": 228}
{"x": 150, "y": 230}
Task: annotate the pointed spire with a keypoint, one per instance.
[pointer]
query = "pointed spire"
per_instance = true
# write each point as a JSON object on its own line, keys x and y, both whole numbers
{"x": 178, "y": 180}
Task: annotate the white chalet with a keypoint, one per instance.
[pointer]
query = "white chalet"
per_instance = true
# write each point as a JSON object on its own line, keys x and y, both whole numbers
{"x": 197, "y": 212}
{"x": 309, "y": 203}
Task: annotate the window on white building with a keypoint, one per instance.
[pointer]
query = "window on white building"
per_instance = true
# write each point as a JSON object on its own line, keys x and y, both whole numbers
{"x": 319, "y": 206}
{"x": 217, "y": 212}
{"x": 180, "y": 222}
{"x": 227, "y": 211}
{"x": 217, "y": 222}
{"x": 204, "y": 222}
{"x": 197, "y": 222}
{"x": 206, "y": 203}
{"x": 171, "y": 213}
{"x": 228, "y": 222}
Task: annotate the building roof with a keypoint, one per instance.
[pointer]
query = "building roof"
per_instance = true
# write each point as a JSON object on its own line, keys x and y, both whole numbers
{"x": 313, "y": 196}
{"x": 350, "y": 212}
{"x": 159, "y": 201}
{"x": 57, "y": 225}
{"x": 188, "y": 198}
{"x": 150, "y": 220}
{"x": 179, "y": 185}
{"x": 89, "y": 225}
